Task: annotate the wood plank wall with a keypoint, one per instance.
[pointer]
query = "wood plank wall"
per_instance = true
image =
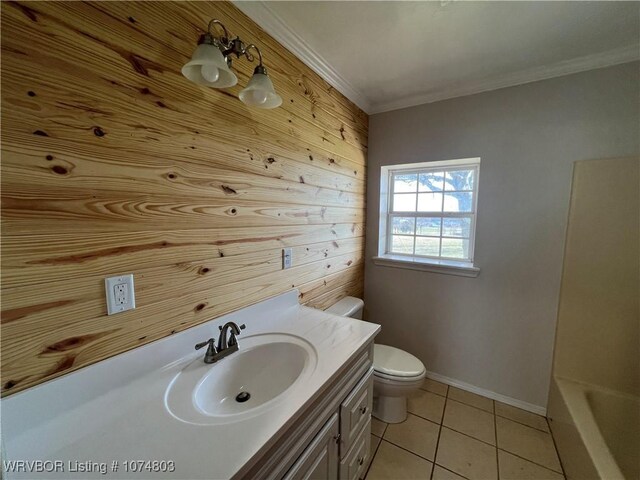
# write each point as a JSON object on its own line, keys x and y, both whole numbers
{"x": 114, "y": 163}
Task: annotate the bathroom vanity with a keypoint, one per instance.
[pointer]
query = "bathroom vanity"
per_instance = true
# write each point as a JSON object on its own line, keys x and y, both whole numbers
{"x": 294, "y": 401}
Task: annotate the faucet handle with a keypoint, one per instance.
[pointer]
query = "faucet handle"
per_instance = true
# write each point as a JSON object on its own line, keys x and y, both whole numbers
{"x": 211, "y": 341}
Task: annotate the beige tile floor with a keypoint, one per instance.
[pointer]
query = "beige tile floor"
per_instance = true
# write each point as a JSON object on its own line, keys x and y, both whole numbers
{"x": 454, "y": 434}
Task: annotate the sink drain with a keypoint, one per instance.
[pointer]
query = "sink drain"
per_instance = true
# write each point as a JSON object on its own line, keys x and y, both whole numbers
{"x": 243, "y": 397}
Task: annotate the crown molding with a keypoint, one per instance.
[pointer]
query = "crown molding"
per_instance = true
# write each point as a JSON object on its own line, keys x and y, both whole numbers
{"x": 274, "y": 25}
{"x": 567, "y": 67}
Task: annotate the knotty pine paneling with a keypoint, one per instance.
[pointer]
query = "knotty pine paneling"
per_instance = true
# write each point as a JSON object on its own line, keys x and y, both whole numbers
{"x": 112, "y": 163}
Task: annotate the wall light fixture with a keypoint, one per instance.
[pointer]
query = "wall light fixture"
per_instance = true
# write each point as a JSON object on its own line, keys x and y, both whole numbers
{"x": 211, "y": 64}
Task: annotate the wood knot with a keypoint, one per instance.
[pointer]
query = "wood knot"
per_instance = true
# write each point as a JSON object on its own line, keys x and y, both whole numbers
{"x": 98, "y": 132}
{"x": 31, "y": 93}
{"x": 9, "y": 384}
{"x": 145, "y": 91}
{"x": 161, "y": 104}
{"x": 233, "y": 211}
{"x": 172, "y": 176}
{"x": 69, "y": 344}
{"x": 204, "y": 270}
{"x": 229, "y": 191}
{"x": 271, "y": 160}
{"x": 41, "y": 133}
{"x": 200, "y": 306}
{"x": 132, "y": 20}
{"x": 331, "y": 160}
{"x": 49, "y": 157}
{"x": 59, "y": 169}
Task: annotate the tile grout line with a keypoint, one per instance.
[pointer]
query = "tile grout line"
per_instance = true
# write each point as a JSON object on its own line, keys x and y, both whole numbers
{"x": 435, "y": 452}
{"x": 526, "y": 425}
{"x": 449, "y": 470}
{"x": 425, "y": 418}
{"x": 373, "y": 457}
{"x": 435, "y": 393}
{"x": 469, "y": 405}
{"x": 408, "y": 451}
{"x": 531, "y": 461}
{"x": 553, "y": 439}
{"x": 469, "y": 436}
{"x": 495, "y": 436}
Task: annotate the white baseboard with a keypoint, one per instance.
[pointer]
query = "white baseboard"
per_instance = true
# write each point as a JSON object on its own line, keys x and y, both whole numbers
{"x": 537, "y": 409}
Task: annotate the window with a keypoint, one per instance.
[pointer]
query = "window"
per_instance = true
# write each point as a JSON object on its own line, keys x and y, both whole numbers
{"x": 428, "y": 212}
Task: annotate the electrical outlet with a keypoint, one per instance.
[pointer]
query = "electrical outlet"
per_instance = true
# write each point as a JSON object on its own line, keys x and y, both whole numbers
{"x": 287, "y": 258}
{"x": 120, "y": 294}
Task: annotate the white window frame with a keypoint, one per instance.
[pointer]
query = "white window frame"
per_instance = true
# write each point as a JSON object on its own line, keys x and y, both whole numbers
{"x": 463, "y": 267}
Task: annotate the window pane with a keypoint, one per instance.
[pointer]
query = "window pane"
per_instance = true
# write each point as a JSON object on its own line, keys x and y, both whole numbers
{"x": 403, "y": 225}
{"x": 459, "y": 180}
{"x": 455, "y": 248}
{"x": 428, "y": 246}
{"x": 458, "y": 202}
{"x": 431, "y": 182}
{"x": 428, "y": 226}
{"x": 401, "y": 244}
{"x": 405, "y": 183}
{"x": 404, "y": 202}
{"x": 456, "y": 227}
{"x": 429, "y": 202}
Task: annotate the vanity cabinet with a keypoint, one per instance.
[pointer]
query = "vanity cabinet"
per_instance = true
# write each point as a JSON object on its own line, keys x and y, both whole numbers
{"x": 331, "y": 439}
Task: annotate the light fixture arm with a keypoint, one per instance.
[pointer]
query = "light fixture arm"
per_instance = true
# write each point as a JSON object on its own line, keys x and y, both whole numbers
{"x": 250, "y": 57}
{"x": 222, "y": 40}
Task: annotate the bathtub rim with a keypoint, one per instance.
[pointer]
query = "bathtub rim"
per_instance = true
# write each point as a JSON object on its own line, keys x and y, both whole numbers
{"x": 574, "y": 396}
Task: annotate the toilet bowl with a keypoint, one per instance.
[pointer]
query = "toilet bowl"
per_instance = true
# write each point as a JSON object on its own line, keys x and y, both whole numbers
{"x": 396, "y": 374}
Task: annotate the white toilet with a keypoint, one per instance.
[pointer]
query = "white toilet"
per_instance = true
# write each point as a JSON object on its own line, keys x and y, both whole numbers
{"x": 397, "y": 374}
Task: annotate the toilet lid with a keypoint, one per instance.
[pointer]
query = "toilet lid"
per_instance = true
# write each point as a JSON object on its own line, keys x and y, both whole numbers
{"x": 396, "y": 362}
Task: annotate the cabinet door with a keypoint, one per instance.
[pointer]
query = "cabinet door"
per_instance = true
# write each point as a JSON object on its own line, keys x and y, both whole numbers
{"x": 320, "y": 460}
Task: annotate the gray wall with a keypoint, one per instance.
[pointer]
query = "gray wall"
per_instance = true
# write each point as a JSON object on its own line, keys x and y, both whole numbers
{"x": 496, "y": 331}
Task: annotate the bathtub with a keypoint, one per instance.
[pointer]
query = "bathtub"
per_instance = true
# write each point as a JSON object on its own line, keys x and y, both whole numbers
{"x": 597, "y": 431}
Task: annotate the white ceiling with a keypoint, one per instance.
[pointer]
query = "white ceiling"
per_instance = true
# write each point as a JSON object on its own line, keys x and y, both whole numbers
{"x": 385, "y": 55}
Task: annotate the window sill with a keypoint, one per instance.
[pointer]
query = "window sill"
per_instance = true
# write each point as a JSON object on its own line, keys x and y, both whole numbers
{"x": 447, "y": 267}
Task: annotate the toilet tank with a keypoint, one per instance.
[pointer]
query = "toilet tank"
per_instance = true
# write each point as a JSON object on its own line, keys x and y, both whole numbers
{"x": 347, "y": 307}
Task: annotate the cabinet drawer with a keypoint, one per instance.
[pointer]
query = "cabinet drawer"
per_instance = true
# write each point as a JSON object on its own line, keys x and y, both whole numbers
{"x": 355, "y": 411}
{"x": 354, "y": 464}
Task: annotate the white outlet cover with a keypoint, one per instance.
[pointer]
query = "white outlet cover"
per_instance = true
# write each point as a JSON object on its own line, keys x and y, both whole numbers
{"x": 120, "y": 294}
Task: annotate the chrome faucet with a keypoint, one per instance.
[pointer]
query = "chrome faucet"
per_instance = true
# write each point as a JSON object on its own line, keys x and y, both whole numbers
{"x": 224, "y": 347}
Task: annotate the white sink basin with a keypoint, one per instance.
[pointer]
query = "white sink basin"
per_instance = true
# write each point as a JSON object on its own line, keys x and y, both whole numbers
{"x": 242, "y": 385}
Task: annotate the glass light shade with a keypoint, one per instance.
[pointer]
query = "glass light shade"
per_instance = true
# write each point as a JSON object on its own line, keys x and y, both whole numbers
{"x": 209, "y": 67}
{"x": 260, "y": 92}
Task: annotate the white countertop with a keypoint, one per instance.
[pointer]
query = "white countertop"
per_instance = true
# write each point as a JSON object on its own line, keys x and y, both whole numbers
{"x": 114, "y": 411}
